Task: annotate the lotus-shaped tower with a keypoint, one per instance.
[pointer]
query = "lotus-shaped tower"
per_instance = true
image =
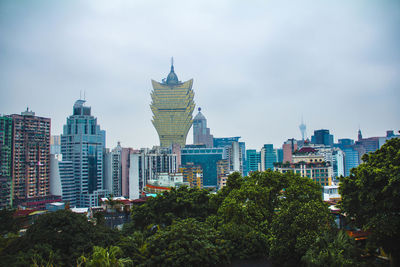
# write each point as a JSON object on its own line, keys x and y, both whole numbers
{"x": 172, "y": 106}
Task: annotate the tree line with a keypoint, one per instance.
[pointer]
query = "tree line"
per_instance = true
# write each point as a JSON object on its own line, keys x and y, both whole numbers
{"x": 277, "y": 218}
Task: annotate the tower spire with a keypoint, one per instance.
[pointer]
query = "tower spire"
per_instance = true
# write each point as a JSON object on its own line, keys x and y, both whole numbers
{"x": 172, "y": 79}
{"x": 172, "y": 64}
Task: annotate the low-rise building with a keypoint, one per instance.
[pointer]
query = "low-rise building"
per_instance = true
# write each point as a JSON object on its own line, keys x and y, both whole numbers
{"x": 320, "y": 172}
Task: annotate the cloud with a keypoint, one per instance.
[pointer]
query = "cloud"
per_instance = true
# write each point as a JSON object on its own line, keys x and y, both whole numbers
{"x": 257, "y": 66}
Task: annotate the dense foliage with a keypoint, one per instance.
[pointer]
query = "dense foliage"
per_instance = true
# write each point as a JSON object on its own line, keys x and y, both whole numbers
{"x": 268, "y": 216}
{"x": 60, "y": 237}
{"x": 371, "y": 197}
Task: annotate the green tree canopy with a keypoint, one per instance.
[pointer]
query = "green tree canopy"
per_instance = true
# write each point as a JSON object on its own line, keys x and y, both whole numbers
{"x": 332, "y": 249}
{"x": 178, "y": 203}
{"x": 64, "y": 234}
{"x": 371, "y": 196}
{"x": 186, "y": 243}
{"x": 274, "y": 215}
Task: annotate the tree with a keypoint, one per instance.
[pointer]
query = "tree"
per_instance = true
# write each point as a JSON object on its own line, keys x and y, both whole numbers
{"x": 133, "y": 246}
{"x": 64, "y": 234}
{"x": 178, "y": 203}
{"x": 8, "y": 224}
{"x": 371, "y": 197}
{"x": 271, "y": 215}
{"x": 186, "y": 242}
{"x": 105, "y": 257}
{"x": 332, "y": 249}
{"x": 295, "y": 228}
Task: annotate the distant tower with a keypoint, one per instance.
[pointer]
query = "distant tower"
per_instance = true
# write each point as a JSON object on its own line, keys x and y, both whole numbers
{"x": 201, "y": 134}
{"x": 303, "y": 128}
{"x": 359, "y": 135}
{"x": 172, "y": 106}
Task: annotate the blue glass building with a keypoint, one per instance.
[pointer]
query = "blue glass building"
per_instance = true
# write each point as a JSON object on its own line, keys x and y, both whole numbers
{"x": 253, "y": 160}
{"x": 279, "y": 154}
{"x": 268, "y": 156}
{"x": 322, "y": 137}
{"x": 207, "y": 158}
{"x": 82, "y": 143}
{"x": 351, "y": 159}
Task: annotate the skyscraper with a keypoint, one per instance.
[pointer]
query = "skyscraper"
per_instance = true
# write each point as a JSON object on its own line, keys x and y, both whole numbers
{"x": 268, "y": 157}
{"x": 201, "y": 134}
{"x": 172, "y": 106}
{"x": 82, "y": 142}
{"x": 31, "y": 157}
{"x": 322, "y": 137}
{"x": 253, "y": 160}
{"x": 5, "y": 162}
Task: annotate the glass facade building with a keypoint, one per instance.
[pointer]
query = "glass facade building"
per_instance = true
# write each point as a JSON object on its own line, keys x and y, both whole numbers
{"x": 322, "y": 137}
{"x": 268, "y": 157}
{"x": 351, "y": 159}
{"x": 253, "y": 160}
{"x": 207, "y": 158}
{"x": 82, "y": 143}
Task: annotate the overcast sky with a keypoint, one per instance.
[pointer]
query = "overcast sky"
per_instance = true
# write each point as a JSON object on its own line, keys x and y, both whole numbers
{"x": 258, "y": 66}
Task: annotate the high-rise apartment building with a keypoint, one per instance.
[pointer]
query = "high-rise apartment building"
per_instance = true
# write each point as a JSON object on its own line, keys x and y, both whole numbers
{"x": 82, "y": 143}
{"x": 172, "y": 106}
{"x": 31, "y": 157}
{"x": 145, "y": 165}
{"x": 234, "y": 151}
{"x": 192, "y": 174}
{"x": 235, "y": 157}
{"x": 222, "y": 173}
{"x": 113, "y": 170}
{"x": 5, "y": 162}
{"x": 201, "y": 134}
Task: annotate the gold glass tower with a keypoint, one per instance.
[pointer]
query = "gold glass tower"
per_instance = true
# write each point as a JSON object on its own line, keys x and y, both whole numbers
{"x": 172, "y": 105}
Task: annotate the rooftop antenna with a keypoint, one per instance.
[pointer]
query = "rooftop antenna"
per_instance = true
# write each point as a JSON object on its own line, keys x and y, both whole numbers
{"x": 80, "y": 95}
{"x": 172, "y": 61}
{"x": 84, "y": 95}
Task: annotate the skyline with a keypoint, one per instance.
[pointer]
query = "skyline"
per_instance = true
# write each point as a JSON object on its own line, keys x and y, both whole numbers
{"x": 257, "y": 68}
